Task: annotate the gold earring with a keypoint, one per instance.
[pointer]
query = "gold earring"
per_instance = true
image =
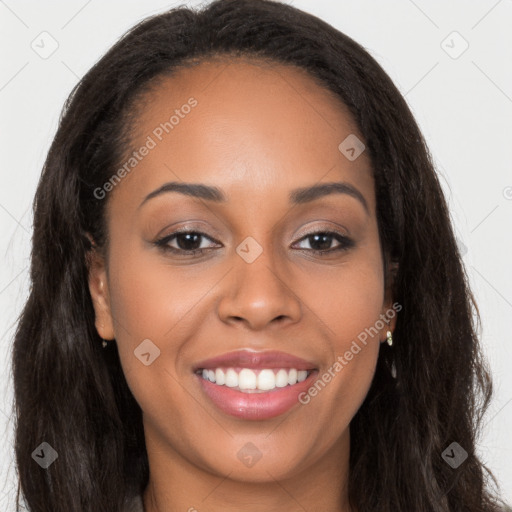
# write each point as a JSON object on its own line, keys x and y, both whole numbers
{"x": 389, "y": 338}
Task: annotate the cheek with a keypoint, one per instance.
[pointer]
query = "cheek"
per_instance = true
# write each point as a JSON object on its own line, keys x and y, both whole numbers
{"x": 349, "y": 305}
{"x": 348, "y": 302}
{"x": 347, "y": 299}
{"x": 164, "y": 303}
{"x": 148, "y": 299}
{"x": 156, "y": 300}
{"x": 152, "y": 302}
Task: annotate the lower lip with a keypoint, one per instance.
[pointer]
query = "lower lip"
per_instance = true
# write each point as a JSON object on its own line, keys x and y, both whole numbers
{"x": 256, "y": 406}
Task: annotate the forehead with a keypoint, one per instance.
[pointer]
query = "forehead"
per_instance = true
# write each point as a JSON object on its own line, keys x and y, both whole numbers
{"x": 243, "y": 125}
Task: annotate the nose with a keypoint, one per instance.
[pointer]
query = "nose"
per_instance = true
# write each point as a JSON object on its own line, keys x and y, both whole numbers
{"x": 258, "y": 295}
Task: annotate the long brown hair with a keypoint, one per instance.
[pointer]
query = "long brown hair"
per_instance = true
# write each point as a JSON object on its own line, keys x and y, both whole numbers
{"x": 73, "y": 395}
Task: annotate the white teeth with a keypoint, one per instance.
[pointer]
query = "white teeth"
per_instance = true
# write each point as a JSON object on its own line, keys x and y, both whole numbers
{"x": 266, "y": 380}
{"x": 248, "y": 380}
{"x": 292, "y": 376}
{"x": 220, "y": 378}
{"x": 231, "y": 378}
{"x": 282, "y": 378}
{"x": 301, "y": 375}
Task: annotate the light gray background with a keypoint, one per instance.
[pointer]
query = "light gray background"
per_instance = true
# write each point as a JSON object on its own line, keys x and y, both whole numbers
{"x": 463, "y": 106}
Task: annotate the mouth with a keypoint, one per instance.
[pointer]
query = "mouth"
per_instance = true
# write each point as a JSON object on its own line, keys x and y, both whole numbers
{"x": 255, "y": 385}
{"x": 248, "y": 380}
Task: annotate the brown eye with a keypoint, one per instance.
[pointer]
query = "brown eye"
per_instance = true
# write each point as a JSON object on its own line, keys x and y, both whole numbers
{"x": 189, "y": 242}
{"x": 186, "y": 242}
{"x": 321, "y": 241}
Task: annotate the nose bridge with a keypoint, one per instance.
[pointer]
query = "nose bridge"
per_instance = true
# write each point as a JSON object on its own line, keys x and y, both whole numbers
{"x": 258, "y": 292}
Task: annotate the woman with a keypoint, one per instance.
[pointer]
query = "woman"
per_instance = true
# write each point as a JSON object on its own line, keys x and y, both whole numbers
{"x": 237, "y": 301}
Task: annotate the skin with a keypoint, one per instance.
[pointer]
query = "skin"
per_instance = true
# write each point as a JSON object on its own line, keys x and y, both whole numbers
{"x": 257, "y": 132}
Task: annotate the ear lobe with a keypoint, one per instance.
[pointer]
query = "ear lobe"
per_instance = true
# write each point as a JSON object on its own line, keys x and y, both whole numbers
{"x": 98, "y": 288}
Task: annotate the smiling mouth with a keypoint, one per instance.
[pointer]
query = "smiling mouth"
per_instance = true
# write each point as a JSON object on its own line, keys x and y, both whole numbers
{"x": 250, "y": 380}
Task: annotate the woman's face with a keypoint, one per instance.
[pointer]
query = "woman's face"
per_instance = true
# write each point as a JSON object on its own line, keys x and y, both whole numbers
{"x": 258, "y": 135}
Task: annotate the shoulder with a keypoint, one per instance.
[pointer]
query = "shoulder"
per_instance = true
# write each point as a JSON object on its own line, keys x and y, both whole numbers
{"x": 134, "y": 504}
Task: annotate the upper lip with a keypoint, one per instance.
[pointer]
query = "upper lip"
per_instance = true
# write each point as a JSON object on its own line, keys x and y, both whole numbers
{"x": 256, "y": 360}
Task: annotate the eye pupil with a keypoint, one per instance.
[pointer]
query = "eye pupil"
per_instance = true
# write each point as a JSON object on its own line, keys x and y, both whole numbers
{"x": 189, "y": 244}
{"x": 322, "y": 245}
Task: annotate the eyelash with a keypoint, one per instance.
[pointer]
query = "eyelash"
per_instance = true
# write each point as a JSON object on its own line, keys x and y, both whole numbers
{"x": 163, "y": 243}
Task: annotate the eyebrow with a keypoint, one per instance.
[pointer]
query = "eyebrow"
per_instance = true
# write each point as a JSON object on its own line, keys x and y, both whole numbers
{"x": 297, "y": 196}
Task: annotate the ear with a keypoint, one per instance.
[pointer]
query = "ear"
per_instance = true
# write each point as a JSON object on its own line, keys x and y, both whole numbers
{"x": 98, "y": 287}
{"x": 390, "y": 309}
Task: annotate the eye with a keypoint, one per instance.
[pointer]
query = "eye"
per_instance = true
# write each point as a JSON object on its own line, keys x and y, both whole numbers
{"x": 187, "y": 242}
{"x": 321, "y": 241}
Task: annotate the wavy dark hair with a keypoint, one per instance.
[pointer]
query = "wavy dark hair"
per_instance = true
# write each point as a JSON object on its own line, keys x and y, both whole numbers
{"x": 72, "y": 394}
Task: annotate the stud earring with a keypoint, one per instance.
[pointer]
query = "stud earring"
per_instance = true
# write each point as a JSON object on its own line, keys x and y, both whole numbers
{"x": 389, "y": 339}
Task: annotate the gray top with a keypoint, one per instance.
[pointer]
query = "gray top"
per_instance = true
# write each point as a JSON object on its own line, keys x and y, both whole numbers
{"x": 134, "y": 504}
